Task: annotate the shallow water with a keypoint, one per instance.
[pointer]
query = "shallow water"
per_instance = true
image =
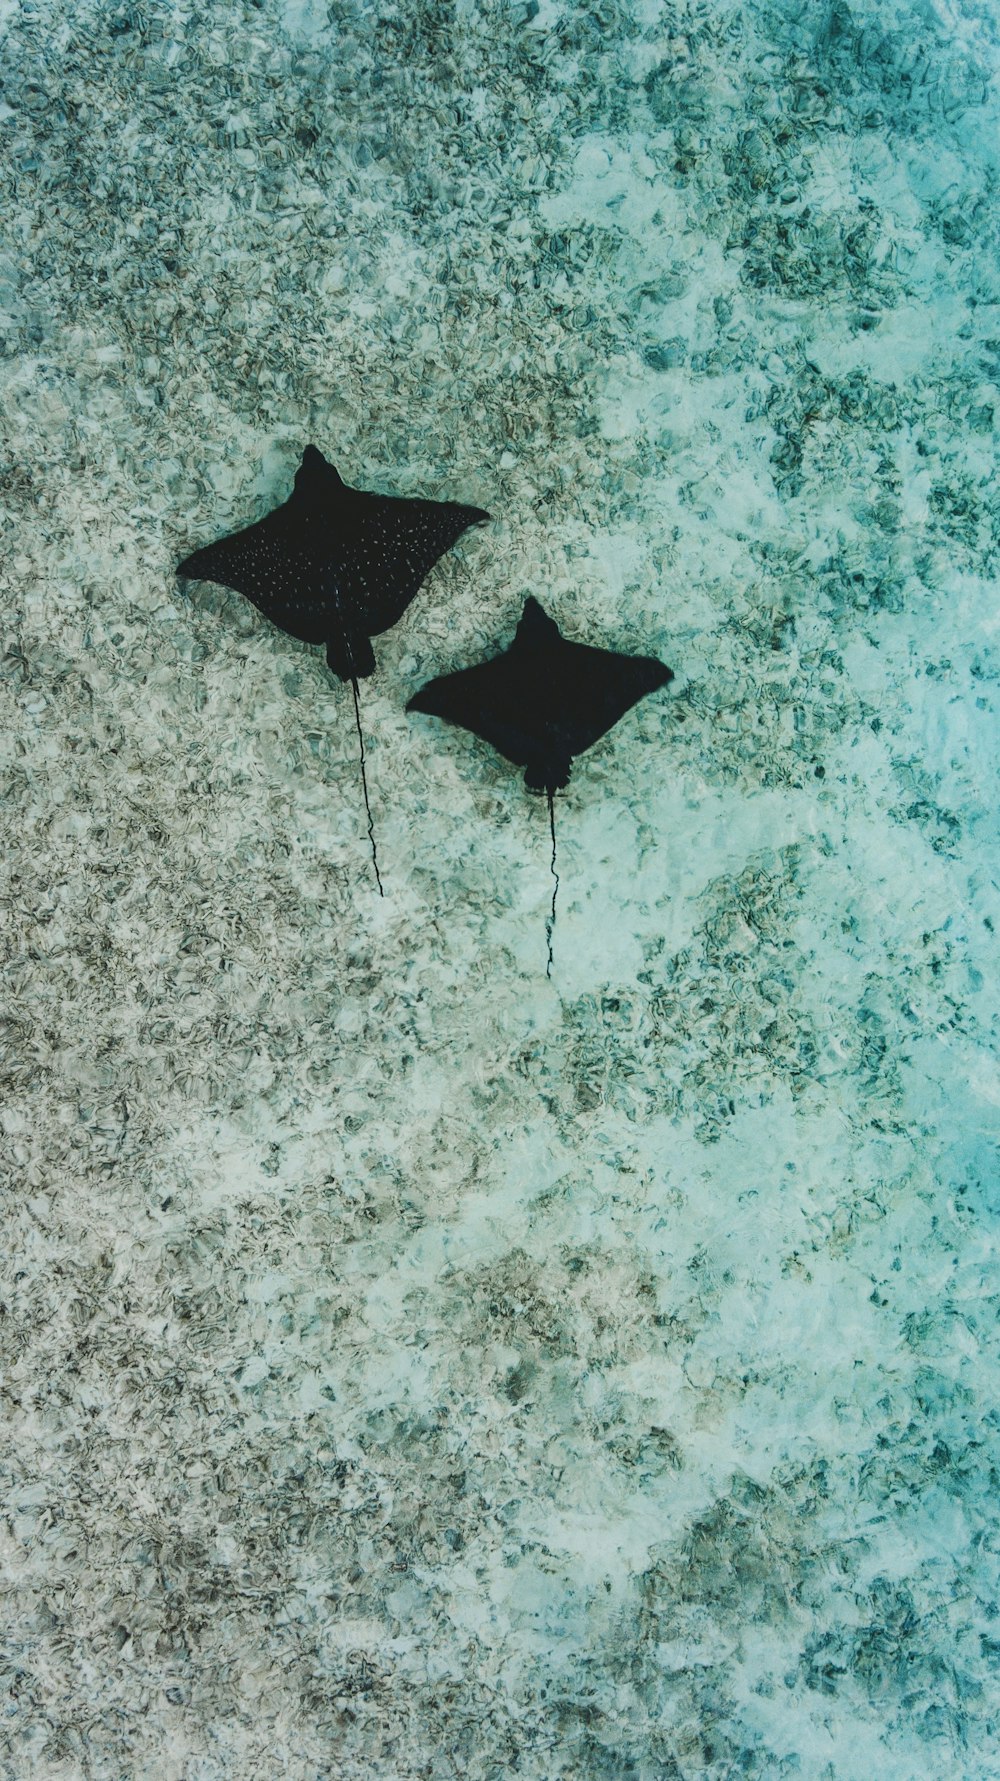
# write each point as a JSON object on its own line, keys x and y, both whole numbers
{"x": 416, "y": 1367}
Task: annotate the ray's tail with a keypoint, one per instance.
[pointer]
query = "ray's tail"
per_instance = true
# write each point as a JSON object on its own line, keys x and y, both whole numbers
{"x": 364, "y": 782}
{"x": 551, "y": 922}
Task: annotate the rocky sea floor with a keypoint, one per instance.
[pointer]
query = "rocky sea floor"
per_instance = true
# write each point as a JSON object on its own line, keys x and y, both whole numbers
{"x": 413, "y": 1367}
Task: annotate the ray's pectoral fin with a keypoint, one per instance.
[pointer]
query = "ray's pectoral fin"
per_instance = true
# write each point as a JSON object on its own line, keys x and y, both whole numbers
{"x": 350, "y": 656}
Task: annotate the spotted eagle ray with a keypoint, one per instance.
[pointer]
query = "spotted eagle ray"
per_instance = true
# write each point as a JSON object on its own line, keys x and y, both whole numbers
{"x": 337, "y": 566}
{"x": 540, "y": 703}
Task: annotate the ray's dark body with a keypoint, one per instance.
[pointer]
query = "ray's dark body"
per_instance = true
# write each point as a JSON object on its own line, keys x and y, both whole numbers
{"x": 545, "y": 699}
{"x": 334, "y": 565}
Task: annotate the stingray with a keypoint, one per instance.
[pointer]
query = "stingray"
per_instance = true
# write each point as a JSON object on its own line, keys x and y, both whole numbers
{"x": 336, "y": 566}
{"x": 542, "y": 702}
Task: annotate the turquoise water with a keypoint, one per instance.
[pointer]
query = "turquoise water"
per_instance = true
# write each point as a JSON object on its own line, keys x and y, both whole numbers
{"x": 415, "y": 1367}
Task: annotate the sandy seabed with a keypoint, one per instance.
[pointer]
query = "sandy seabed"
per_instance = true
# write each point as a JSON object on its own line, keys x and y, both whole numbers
{"x": 412, "y": 1367}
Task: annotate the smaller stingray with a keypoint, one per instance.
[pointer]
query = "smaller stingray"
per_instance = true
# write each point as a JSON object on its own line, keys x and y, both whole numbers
{"x": 337, "y": 566}
{"x": 542, "y": 702}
